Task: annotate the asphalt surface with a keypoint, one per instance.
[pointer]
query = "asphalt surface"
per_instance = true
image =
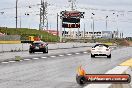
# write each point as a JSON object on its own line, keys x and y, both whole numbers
{"x": 25, "y": 54}
{"x": 56, "y": 71}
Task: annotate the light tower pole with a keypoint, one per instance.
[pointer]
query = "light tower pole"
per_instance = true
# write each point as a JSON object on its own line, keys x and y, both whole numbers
{"x": 43, "y": 16}
{"x": 117, "y": 27}
{"x": 106, "y": 23}
{"x": 16, "y": 12}
{"x": 93, "y": 36}
{"x": 84, "y": 32}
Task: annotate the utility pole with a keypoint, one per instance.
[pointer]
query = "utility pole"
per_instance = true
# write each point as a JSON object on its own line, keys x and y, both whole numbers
{"x": 93, "y": 36}
{"x": 93, "y": 31}
{"x": 117, "y": 27}
{"x": 106, "y": 23}
{"x": 60, "y": 32}
{"x": 57, "y": 24}
{"x": 84, "y": 32}
{"x": 16, "y": 12}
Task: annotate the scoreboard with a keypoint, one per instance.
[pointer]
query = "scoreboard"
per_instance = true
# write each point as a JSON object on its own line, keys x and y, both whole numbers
{"x": 71, "y": 19}
{"x": 71, "y": 25}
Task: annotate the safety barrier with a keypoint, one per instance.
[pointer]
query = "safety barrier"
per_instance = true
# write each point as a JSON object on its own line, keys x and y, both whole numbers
{"x": 24, "y": 47}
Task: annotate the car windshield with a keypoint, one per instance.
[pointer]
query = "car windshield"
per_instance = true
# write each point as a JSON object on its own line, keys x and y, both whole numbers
{"x": 101, "y": 45}
{"x": 36, "y": 44}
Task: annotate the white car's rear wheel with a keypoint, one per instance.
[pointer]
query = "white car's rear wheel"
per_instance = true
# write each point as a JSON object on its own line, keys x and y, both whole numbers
{"x": 109, "y": 56}
{"x": 92, "y": 56}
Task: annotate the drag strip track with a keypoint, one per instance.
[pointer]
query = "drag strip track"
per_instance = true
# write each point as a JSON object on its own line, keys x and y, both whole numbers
{"x": 56, "y": 71}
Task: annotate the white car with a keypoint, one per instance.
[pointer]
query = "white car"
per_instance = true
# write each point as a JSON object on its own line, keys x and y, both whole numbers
{"x": 101, "y": 50}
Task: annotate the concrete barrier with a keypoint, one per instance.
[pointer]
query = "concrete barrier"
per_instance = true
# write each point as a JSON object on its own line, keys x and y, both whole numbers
{"x": 116, "y": 70}
{"x": 24, "y": 47}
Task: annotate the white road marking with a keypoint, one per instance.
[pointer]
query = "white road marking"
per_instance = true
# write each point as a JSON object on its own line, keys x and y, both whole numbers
{"x": 85, "y": 52}
{"x": 77, "y": 53}
{"x": 4, "y": 62}
{"x": 61, "y": 55}
{"x": 35, "y": 58}
{"x": 43, "y": 57}
{"x": 27, "y": 59}
{"x": 69, "y": 54}
{"x": 52, "y": 56}
{"x": 12, "y": 61}
{"x": 21, "y": 60}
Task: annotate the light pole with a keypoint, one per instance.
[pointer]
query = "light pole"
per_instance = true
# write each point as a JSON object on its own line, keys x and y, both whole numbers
{"x": 117, "y": 26}
{"x": 57, "y": 23}
{"x": 106, "y": 23}
{"x": 16, "y": 12}
{"x": 84, "y": 32}
{"x": 93, "y": 37}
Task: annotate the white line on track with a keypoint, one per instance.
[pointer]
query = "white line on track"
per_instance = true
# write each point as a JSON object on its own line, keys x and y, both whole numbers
{"x": 85, "y": 52}
{"x": 27, "y": 59}
{"x": 4, "y": 62}
{"x": 35, "y": 58}
{"x": 52, "y": 56}
{"x": 12, "y": 61}
{"x": 61, "y": 55}
{"x": 21, "y": 60}
{"x": 69, "y": 54}
{"x": 77, "y": 53}
{"x": 43, "y": 57}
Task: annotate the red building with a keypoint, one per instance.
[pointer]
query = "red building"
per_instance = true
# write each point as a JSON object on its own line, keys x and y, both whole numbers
{"x": 53, "y": 32}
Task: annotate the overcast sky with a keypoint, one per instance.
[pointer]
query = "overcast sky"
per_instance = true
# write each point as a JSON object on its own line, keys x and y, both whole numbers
{"x": 101, "y": 8}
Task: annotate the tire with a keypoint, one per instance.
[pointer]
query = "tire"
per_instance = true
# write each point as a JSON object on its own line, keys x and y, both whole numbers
{"x": 30, "y": 51}
{"x": 109, "y": 56}
{"x": 92, "y": 56}
{"x": 81, "y": 80}
{"x": 45, "y": 50}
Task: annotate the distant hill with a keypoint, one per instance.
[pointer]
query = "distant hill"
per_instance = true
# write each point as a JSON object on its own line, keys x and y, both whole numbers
{"x": 25, "y": 32}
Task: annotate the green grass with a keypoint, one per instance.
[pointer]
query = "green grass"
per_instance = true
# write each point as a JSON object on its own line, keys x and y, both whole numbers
{"x": 25, "y": 32}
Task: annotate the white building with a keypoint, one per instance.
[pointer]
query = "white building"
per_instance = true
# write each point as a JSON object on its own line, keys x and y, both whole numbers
{"x": 88, "y": 35}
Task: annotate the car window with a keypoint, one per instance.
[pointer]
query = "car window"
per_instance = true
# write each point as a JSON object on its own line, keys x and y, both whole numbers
{"x": 101, "y": 45}
{"x": 36, "y": 44}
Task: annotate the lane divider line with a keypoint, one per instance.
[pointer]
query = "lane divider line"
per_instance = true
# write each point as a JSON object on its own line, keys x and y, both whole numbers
{"x": 27, "y": 59}
{"x": 52, "y": 56}
{"x": 85, "y": 52}
{"x": 43, "y": 57}
{"x": 39, "y": 58}
{"x": 4, "y": 62}
{"x": 35, "y": 58}
{"x": 77, "y": 53}
{"x": 69, "y": 54}
{"x": 61, "y": 55}
{"x": 12, "y": 61}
